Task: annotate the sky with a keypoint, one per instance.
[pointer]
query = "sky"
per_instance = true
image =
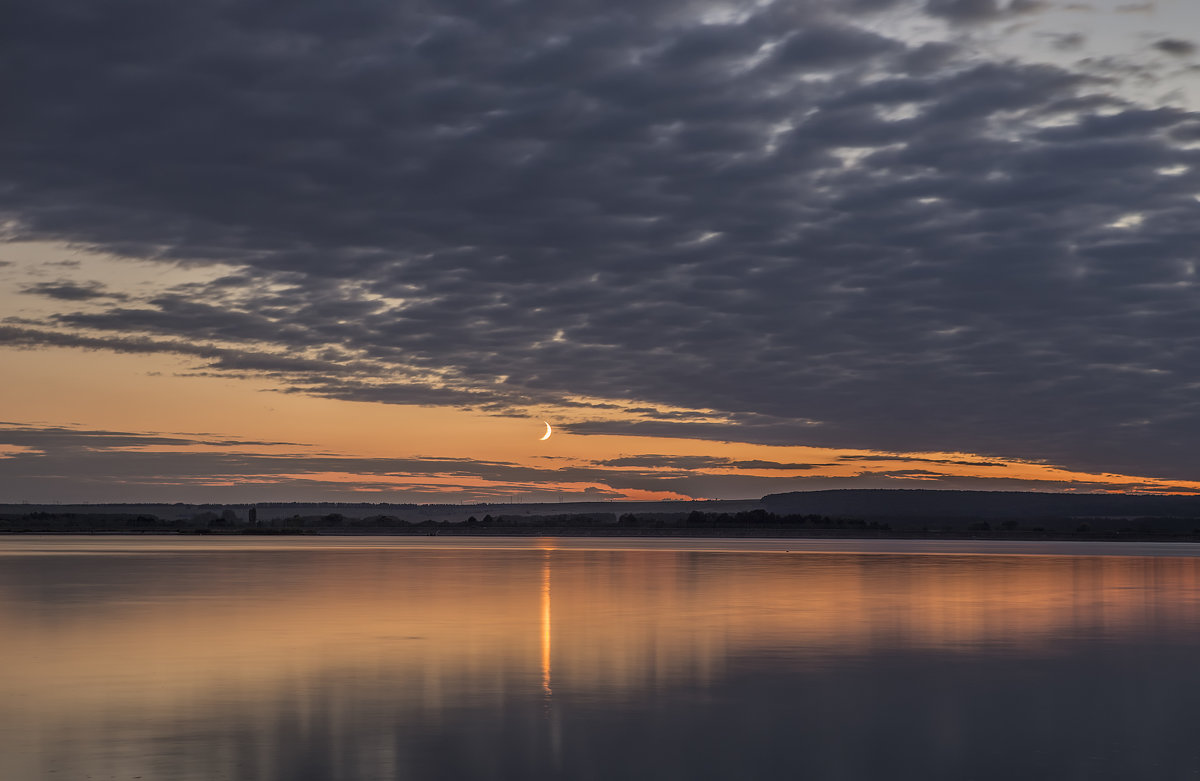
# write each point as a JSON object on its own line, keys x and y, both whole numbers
{"x": 362, "y": 250}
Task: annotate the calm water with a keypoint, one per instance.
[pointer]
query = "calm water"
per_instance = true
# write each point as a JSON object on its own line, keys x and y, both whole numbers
{"x": 432, "y": 658}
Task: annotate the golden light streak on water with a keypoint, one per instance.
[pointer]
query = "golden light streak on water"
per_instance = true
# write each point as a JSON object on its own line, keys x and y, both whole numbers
{"x": 546, "y": 630}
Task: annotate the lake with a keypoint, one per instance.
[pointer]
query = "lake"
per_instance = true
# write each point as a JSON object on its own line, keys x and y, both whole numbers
{"x": 346, "y": 659}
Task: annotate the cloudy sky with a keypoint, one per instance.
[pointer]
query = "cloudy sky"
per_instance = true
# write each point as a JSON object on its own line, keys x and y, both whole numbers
{"x": 360, "y": 250}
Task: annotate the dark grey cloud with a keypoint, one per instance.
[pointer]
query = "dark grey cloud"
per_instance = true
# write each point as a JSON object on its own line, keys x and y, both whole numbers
{"x": 928, "y": 58}
{"x": 954, "y": 461}
{"x": 219, "y": 358}
{"x": 701, "y": 462}
{"x": 66, "y": 290}
{"x": 1177, "y": 47}
{"x": 821, "y": 233}
{"x": 820, "y": 46}
{"x": 752, "y": 428}
{"x": 65, "y": 438}
{"x": 1067, "y": 42}
{"x": 901, "y": 473}
{"x": 977, "y": 11}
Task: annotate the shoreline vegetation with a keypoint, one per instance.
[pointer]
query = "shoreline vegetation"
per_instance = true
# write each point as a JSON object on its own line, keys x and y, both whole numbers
{"x": 878, "y": 514}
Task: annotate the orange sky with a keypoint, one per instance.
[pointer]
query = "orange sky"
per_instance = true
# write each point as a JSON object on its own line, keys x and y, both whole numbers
{"x": 157, "y": 394}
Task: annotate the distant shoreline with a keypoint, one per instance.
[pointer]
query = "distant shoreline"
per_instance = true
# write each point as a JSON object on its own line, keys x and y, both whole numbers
{"x": 837, "y": 514}
{"x": 618, "y": 533}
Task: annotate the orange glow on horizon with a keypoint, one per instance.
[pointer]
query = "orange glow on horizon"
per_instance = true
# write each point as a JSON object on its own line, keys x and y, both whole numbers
{"x": 151, "y": 394}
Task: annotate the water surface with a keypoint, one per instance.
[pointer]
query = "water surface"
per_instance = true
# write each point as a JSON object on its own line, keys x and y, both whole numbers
{"x": 426, "y": 658}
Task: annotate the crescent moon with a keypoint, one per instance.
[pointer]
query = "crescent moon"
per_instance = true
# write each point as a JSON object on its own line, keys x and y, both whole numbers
{"x": 549, "y": 431}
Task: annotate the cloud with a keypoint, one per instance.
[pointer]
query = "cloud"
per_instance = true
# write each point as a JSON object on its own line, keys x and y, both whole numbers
{"x": 702, "y": 462}
{"x": 42, "y": 439}
{"x": 817, "y": 232}
{"x": 219, "y": 358}
{"x": 820, "y": 46}
{"x": 1067, "y": 41}
{"x": 66, "y": 290}
{"x": 977, "y": 11}
{"x": 952, "y": 461}
{"x": 1176, "y": 47}
{"x": 920, "y": 474}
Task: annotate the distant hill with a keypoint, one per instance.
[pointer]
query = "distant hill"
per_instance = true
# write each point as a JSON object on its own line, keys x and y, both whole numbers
{"x": 889, "y": 504}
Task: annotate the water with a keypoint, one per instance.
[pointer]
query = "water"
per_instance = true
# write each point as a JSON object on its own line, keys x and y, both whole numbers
{"x": 343, "y": 659}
